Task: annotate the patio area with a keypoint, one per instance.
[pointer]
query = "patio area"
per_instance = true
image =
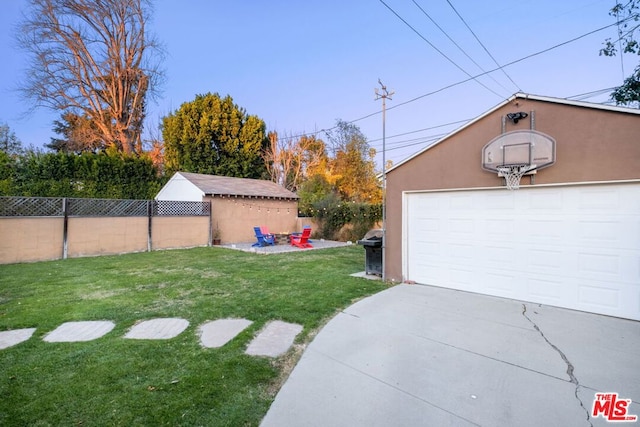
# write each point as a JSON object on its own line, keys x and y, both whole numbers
{"x": 281, "y": 248}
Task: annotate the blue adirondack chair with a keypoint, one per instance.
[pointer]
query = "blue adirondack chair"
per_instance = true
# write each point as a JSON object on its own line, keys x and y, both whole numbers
{"x": 262, "y": 239}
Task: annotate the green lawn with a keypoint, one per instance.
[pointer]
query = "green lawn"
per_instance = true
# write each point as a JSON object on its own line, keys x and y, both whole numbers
{"x": 114, "y": 381}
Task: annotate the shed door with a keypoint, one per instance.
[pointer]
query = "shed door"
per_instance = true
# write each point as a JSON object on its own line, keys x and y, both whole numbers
{"x": 576, "y": 247}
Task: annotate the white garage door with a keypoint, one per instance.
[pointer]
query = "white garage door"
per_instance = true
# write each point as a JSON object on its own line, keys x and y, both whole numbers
{"x": 572, "y": 246}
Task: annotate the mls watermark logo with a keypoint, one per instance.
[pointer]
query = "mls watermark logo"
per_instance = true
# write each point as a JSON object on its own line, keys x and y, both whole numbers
{"x": 611, "y": 408}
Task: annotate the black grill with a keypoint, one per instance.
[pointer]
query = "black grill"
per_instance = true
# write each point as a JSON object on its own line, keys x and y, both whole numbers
{"x": 372, "y": 242}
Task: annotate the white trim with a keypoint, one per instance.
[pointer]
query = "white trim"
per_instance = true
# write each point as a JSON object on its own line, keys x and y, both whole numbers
{"x": 555, "y": 184}
{"x": 614, "y": 108}
{"x": 404, "y": 250}
{"x": 521, "y": 95}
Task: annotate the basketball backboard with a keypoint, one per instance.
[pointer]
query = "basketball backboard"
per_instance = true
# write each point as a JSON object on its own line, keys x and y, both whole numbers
{"x": 522, "y": 148}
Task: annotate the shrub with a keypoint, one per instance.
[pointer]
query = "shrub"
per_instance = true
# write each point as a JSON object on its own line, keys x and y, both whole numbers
{"x": 340, "y": 220}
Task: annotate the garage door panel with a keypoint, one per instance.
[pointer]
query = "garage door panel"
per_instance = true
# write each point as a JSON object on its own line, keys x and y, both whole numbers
{"x": 461, "y": 278}
{"x": 498, "y": 201}
{"x": 543, "y": 230}
{"x": 501, "y": 283}
{"x": 496, "y": 256}
{"x": 545, "y": 201}
{"x": 598, "y": 295}
{"x": 550, "y": 290}
{"x": 574, "y": 246}
{"x": 603, "y": 265}
{"x": 599, "y": 198}
{"x": 549, "y": 260}
{"x": 606, "y": 298}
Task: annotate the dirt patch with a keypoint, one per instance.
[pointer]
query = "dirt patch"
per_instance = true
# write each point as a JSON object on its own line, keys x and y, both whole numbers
{"x": 102, "y": 294}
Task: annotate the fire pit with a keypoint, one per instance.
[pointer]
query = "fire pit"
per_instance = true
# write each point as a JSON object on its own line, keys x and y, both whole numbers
{"x": 372, "y": 242}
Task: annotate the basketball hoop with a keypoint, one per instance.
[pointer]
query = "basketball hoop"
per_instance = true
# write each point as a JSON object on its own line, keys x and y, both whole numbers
{"x": 512, "y": 174}
{"x": 520, "y": 152}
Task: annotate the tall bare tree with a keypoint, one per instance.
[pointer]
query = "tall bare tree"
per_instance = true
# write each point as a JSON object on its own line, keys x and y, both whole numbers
{"x": 93, "y": 59}
{"x": 290, "y": 160}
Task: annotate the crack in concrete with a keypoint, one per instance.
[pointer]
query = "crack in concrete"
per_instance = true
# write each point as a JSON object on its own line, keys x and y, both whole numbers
{"x": 572, "y": 378}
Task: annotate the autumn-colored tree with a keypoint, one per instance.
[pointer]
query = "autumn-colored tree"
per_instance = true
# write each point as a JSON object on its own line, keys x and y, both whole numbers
{"x": 93, "y": 60}
{"x": 78, "y": 134}
{"x": 291, "y": 160}
{"x": 353, "y": 165}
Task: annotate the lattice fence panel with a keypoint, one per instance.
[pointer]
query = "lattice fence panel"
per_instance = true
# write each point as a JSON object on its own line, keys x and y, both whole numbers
{"x": 177, "y": 208}
{"x": 31, "y": 206}
{"x": 106, "y": 207}
{"x": 54, "y": 206}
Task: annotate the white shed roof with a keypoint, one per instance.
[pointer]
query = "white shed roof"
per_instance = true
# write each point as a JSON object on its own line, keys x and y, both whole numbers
{"x": 194, "y": 186}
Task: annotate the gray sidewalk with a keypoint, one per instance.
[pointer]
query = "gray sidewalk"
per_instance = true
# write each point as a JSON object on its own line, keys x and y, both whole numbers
{"x": 417, "y": 355}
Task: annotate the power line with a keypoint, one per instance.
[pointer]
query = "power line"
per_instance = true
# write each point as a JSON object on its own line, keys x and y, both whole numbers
{"x": 464, "y": 81}
{"x": 439, "y": 51}
{"x": 483, "y": 46}
{"x": 505, "y": 65}
{"x": 592, "y": 94}
{"x": 456, "y": 44}
{"x": 430, "y": 139}
{"x": 422, "y": 130}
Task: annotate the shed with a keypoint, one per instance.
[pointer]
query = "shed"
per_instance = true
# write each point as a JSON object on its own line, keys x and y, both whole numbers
{"x": 237, "y": 204}
{"x": 568, "y": 237}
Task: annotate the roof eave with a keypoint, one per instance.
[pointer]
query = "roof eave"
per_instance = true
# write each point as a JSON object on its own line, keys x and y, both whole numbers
{"x": 520, "y": 95}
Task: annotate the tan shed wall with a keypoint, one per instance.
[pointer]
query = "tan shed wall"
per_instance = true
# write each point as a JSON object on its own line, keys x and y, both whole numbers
{"x": 30, "y": 239}
{"x": 591, "y": 145}
{"x": 236, "y": 217}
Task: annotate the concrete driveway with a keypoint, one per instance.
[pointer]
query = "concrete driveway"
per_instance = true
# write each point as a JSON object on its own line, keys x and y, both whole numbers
{"x": 418, "y": 355}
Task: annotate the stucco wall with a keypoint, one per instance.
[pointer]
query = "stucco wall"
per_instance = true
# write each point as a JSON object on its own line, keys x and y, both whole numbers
{"x": 106, "y": 235}
{"x": 30, "y": 239}
{"x": 179, "y": 232}
{"x": 40, "y": 239}
{"x": 591, "y": 145}
{"x": 236, "y": 217}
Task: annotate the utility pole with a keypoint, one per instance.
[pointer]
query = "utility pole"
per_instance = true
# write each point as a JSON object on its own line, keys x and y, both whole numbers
{"x": 384, "y": 94}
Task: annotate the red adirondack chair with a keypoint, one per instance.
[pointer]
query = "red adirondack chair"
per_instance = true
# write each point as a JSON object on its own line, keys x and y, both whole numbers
{"x": 301, "y": 240}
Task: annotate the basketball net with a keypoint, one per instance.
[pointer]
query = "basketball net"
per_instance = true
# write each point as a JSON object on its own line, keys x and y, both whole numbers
{"x": 513, "y": 174}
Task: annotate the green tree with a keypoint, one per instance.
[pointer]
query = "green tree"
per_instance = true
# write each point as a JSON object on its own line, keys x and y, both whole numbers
{"x": 95, "y": 60}
{"x": 9, "y": 142}
{"x": 628, "y": 16}
{"x": 315, "y": 192}
{"x": 212, "y": 135}
{"x": 353, "y": 164}
{"x": 7, "y": 174}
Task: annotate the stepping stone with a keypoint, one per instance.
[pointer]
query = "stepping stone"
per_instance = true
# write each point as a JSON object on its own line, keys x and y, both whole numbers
{"x": 157, "y": 329}
{"x": 219, "y": 332}
{"x": 274, "y": 340}
{"x": 11, "y": 338}
{"x": 79, "y": 331}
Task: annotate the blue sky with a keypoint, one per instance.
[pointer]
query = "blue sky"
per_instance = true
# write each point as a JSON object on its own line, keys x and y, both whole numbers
{"x": 301, "y": 65}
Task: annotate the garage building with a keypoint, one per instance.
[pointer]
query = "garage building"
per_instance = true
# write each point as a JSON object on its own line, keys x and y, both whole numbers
{"x": 569, "y": 236}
